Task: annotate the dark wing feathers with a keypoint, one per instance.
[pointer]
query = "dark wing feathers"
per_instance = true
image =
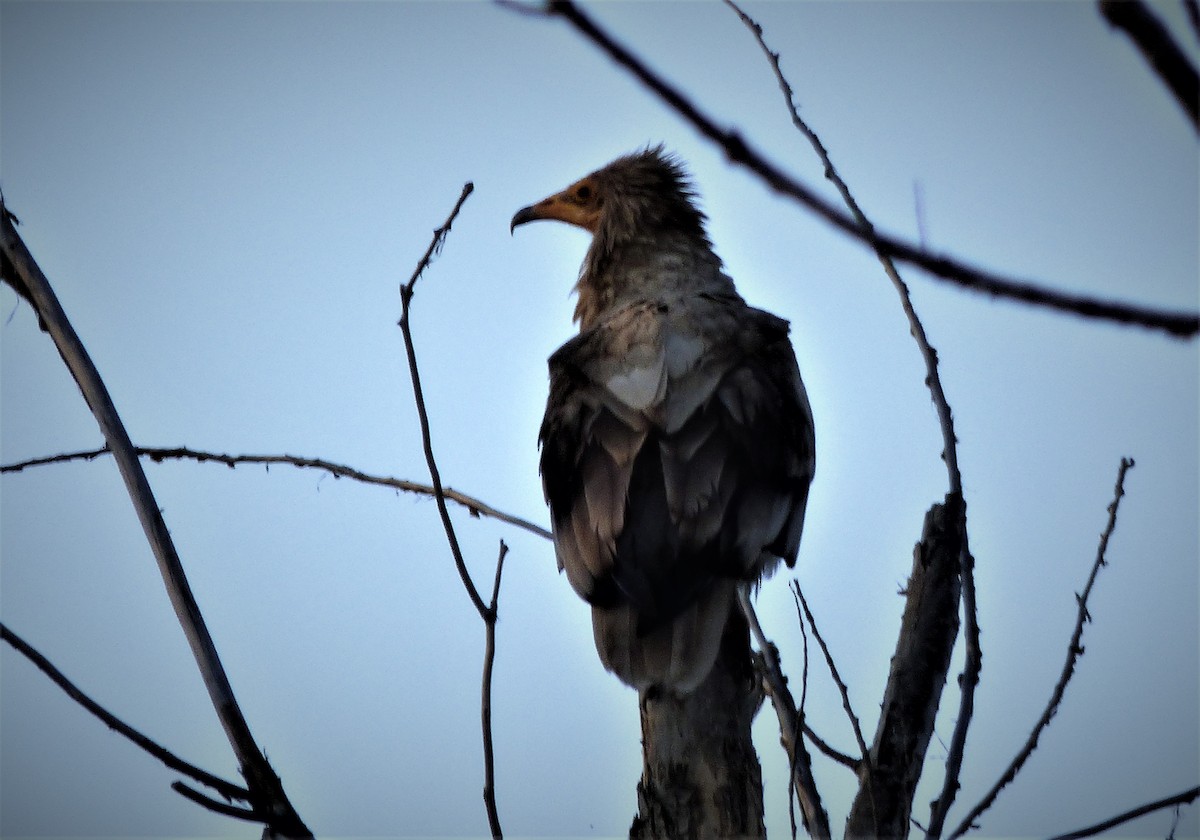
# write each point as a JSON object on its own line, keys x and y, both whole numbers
{"x": 652, "y": 503}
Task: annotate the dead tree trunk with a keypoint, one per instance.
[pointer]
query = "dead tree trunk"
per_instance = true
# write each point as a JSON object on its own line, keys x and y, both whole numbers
{"x": 701, "y": 777}
{"x": 928, "y": 629}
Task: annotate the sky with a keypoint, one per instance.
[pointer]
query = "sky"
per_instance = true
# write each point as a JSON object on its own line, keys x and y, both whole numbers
{"x": 226, "y": 198}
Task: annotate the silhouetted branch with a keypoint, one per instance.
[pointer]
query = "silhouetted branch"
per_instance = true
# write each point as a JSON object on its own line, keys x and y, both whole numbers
{"x": 474, "y": 506}
{"x": 485, "y": 705}
{"x": 816, "y": 821}
{"x": 265, "y": 788}
{"x": 837, "y": 678}
{"x": 965, "y": 565}
{"x": 1074, "y": 651}
{"x": 1193, "y": 15}
{"x": 1159, "y": 49}
{"x": 406, "y": 293}
{"x": 1183, "y": 798}
{"x": 487, "y": 612}
{"x": 214, "y": 805}
{"x": 955, "y": 271}
{"x": 227, "y": 789}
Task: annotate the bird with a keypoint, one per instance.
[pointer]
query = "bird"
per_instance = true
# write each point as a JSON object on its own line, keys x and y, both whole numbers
{"x": 677, "y": 445}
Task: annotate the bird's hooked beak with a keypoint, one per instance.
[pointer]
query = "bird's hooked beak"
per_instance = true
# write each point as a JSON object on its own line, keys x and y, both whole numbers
{"x": 577, "y": 205}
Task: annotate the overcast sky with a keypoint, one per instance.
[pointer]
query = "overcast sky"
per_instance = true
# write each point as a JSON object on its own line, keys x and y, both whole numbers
{"x": 226, "y": 197}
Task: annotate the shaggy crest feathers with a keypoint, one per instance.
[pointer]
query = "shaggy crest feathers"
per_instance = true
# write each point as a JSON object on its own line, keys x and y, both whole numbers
{"x": 647, "y": 199}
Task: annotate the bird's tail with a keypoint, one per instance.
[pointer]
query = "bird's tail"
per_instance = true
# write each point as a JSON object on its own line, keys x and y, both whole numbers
{"x": 675, "y": 655}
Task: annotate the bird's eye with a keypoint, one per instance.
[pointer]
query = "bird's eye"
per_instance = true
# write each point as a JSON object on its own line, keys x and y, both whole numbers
{"x": 583, "y": 193}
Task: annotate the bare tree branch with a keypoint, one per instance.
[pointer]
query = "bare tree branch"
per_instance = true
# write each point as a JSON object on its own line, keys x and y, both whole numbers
{"x": 214, "y": 805}
{"x": 1074, "y": 651}
{"x": 738, "y": 150}
{"x": 837, "y": 678}
{"x": 965, "y": 566}
{"x": 1183, "y": 798}
{"x": 406, "y": 294}
{"x": 1159, "y": 49}
{"x": 1193, "y": 15}
{"x": 474, "y": 506}
{"x": 227, "y": 789}
{"x": 265, "y": 787}
{"x": 816, "y": 821}
{"x": 487, "y": 612}
{"x": 485, "y": 703}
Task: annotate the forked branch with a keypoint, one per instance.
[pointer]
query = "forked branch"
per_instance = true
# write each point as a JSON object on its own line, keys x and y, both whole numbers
{"x": 229, "y": 790}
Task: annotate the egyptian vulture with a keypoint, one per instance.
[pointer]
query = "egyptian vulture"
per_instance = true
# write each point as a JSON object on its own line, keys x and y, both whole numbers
{"x": 677, "y": 444}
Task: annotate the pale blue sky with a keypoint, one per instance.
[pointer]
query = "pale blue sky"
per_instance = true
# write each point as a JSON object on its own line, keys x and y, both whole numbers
{"x": 226, "y": 197}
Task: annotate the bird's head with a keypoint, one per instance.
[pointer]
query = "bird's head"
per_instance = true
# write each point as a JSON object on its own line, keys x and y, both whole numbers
{"x": 639, "y": 209}
{"x": 639, "y": 195}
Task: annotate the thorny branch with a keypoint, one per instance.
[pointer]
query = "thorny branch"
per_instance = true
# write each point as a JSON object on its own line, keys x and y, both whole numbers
{"x": 22, "y": 272}
{"x": 227, "y": 789}
{"x": 1074, "y": 651}
{"x": 487, "y": 612}
{"x": 1185, "y": 324}
{"x": 474, "y": 506}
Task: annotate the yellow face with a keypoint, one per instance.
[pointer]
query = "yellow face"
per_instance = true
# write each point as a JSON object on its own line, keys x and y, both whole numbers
{"x": 579, "y": 204}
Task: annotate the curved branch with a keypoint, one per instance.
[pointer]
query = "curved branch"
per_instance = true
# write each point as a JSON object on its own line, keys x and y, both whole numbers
{"x": 227, "y": 789}
{"x": 20, "y": 267}
{"x": 1074, "y": 651}
{"x": 474, "y": 506}
{"x": 1186, "y": 324}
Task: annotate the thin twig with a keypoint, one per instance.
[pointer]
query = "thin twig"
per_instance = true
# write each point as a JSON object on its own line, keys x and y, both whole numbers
{"x": 227, "y": 789}
{"x": 837, "y": 678}
{"x": 248, "y": 814}
{"x": 739, "y": 151}
{"x": 1074, "y": 651}
{"x": 967, "y": 681}
{"x": 474, "y": 506}
{"x": 439, "y": 494}
{"x": 487, "y": 612}
{"x": 1160, "y": 51}
{"x": 1183, "y": 798}
{"x": 837, "y": 755}
{"x": 265, "y": 787}
{"x": 816, "y": 821}
{"x": 485, "y": 704}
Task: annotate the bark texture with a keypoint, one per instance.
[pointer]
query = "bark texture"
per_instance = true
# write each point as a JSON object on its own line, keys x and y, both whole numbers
{"x": 701, "y": 777}
{"x": 928, "y": 629}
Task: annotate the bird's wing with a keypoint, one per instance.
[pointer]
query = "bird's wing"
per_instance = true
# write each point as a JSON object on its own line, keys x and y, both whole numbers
{"x": 676, "y": 449}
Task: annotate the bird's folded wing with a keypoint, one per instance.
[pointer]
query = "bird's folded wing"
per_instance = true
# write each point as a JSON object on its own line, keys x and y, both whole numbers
{"x": 677, "y": 448}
